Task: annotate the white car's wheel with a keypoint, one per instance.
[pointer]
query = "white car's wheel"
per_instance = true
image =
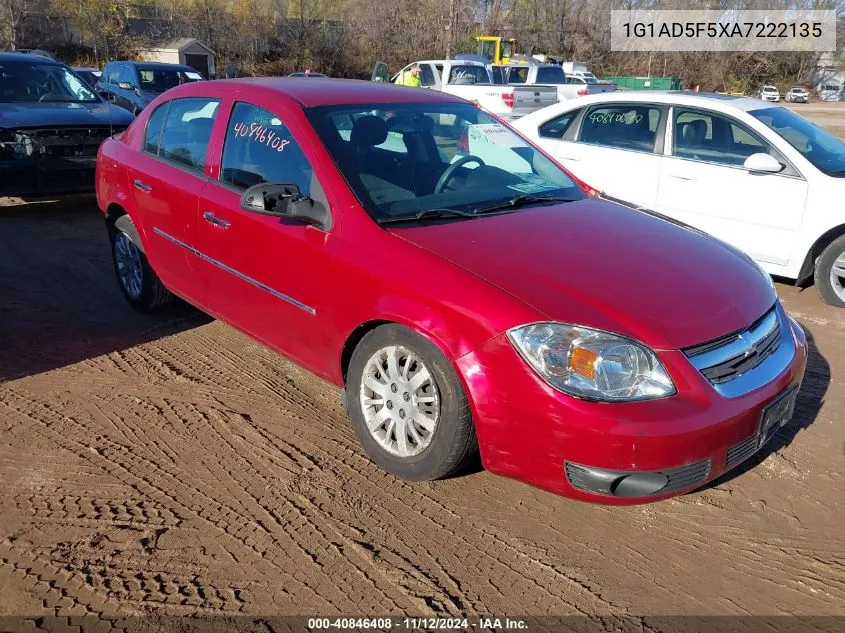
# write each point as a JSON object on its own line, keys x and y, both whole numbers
{"x": 830, "y": 273}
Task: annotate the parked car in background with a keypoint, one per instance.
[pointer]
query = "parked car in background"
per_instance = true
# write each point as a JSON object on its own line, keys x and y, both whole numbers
{"x": 35, "y": 51}
{"x": 755, "y": 175}
{"x": 51, "y": 125}
{"x": 309, "y": 74}
{"x": 580, "y": 71}
{"x": 535, "y": 73}
{"x": 831, "y": 92}
{"x": 797, "y": 94}
{"x": 769, "y": 93}
{"x": 594, "y": 350}
{"x": 90, "y": 75}
{"x": 472, "y": 81}
{"x": 132, "y": 85}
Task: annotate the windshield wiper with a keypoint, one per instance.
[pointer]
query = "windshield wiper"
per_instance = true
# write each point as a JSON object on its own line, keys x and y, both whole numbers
{"x": 521, "y": 201}
{"x": 427, "y": 214}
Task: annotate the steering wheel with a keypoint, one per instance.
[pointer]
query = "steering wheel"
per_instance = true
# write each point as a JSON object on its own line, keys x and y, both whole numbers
{"x": 451, "y": 169}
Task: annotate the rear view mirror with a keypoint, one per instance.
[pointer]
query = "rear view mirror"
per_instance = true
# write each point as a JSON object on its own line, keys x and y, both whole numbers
{"x": 762, "y": 163}
{"x": 285, "y": 200}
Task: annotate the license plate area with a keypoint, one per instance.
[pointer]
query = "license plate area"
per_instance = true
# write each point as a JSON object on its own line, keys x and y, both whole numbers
{"x": 776, "y": 415}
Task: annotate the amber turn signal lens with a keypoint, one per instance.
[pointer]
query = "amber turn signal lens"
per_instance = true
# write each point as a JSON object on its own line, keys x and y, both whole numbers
{"x": 583, "y": 361}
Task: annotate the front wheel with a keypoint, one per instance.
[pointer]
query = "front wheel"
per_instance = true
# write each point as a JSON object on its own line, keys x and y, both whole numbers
{"x": 830, "y": 273}
{"x": 408, "y": 406}
{"x": 138, "y": 281}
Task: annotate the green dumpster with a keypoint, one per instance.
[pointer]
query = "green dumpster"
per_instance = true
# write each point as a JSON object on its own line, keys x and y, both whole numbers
{"x": 647, "y": 83}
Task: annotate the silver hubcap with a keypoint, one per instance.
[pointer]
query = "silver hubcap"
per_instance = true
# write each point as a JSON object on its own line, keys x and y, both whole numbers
{"x": 400, "y": 401}
{"x": 128, "y": 261}
{"x": 837, "y": 276}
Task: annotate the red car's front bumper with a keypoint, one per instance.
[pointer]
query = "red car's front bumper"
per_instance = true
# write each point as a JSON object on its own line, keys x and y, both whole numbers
{"x": 529, "y": 431}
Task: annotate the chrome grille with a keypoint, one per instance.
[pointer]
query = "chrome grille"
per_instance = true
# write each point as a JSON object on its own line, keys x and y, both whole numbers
{"x": 731, "y": 356}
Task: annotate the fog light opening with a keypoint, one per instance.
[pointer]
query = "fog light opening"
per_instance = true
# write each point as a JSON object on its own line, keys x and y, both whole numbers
{"x": 639, "y": 485}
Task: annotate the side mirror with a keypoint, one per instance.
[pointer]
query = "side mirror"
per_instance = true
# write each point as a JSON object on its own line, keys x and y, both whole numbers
{"x": 762, "y": 163}
{"x": 284, "y": 200}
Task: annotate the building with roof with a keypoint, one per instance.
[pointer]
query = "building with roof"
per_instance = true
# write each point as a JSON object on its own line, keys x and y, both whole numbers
{"x": 184, "y": 50}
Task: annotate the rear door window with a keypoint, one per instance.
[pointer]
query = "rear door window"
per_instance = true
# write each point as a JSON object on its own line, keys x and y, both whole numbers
{"x": 518, "y": 75}
{"x": 623, "y": 126}
{"x": 152, "y": 135}
{"x": 468, "y": 75}
{"x": 260, "y": 148}
{"x": 187, "y": 131}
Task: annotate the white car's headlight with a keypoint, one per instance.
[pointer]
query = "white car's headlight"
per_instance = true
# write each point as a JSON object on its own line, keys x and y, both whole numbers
{"x": 592, "y": 364}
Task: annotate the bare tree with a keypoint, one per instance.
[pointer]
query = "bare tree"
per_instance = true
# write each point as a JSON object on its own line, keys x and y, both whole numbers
{"x": 14, "y": 13}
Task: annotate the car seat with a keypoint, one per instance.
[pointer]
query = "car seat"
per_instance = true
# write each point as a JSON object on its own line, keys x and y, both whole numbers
{"x": 198, "y": 137}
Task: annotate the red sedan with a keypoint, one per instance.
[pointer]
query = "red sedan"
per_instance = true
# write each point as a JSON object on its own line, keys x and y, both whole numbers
{"x": 466, "y": 292}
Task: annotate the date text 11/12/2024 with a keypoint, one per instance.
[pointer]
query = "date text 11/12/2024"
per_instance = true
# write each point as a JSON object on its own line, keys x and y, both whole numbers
{"x": 419, "y": 624}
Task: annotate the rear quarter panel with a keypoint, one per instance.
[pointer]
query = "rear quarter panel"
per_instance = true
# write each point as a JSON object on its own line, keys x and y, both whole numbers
{"x": 112, "y": 185}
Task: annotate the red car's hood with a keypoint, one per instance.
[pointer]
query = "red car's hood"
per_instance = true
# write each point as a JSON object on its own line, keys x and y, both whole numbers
{"x": 603, "y": 265}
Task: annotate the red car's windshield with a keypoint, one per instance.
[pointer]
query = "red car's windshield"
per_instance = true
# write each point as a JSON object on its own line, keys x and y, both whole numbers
{"x": 401, "y": 159}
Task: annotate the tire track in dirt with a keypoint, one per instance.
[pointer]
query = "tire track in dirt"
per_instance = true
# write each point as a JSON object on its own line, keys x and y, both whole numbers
{"x": 269, "y": 521}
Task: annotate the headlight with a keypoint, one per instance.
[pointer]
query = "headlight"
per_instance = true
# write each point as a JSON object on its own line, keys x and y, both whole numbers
{"x": 592, "y": 364}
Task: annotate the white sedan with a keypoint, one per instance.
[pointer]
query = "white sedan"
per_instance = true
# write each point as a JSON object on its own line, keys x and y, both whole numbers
{"x": 753, "y": 174}
{"x": 770, "y": 93}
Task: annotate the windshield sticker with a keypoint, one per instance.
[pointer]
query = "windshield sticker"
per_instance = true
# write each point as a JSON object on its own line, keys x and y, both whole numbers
{"x": 193, "y": 75}
{"x": 261, "y": 134}
{"x": 532, "y": 183}
{"x": 495, "y": 133}
{"x": 628, "y": 118}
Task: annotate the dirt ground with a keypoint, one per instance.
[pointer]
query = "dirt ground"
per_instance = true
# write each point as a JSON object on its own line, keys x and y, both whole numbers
{"x": 169, "y": 465}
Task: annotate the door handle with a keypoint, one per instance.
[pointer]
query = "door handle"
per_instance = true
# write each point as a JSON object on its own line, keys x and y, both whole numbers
{"x": 208, "y": 216}
{"x": 572, "y": 158}
{"x": 683, "y": 177}
{"x": 142, "y": 186}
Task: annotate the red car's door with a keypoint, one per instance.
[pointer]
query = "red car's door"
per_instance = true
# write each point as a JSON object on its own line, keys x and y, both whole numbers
{"x": 265, "y": 275}
{"x": 167, "y": 177}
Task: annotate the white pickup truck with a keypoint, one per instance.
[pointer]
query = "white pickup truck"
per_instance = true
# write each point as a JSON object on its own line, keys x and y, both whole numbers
{"x": 471, "y": 80}
{"x": 536, "y": 74}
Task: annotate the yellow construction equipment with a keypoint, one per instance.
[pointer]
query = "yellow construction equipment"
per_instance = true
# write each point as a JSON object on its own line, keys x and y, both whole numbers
{"x": 498, "y": 50}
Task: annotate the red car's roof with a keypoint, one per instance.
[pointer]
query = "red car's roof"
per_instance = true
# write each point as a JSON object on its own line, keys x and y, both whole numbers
{"x": 316, "y": 93}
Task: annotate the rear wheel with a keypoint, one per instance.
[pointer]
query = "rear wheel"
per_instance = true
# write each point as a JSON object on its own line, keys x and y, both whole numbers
{"x": 140, "y": 285}
{"x": 408, "y": 406}
{"x": 830, "y": 273}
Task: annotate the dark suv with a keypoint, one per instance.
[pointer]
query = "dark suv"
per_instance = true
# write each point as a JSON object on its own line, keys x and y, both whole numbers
{"x": 132, "y": 85}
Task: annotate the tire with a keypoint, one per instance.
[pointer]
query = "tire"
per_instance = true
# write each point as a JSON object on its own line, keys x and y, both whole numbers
{"x": 831, "y": 291}
{"x": 450, "y": 446}
{"x": 144, "y": 290}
